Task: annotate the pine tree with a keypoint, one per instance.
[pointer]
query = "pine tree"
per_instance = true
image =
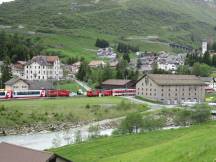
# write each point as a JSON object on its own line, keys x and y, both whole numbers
{"x": 6, "y": 70}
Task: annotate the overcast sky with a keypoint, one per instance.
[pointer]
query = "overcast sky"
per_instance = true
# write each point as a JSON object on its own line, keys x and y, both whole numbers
{"x": 5, "y": 1}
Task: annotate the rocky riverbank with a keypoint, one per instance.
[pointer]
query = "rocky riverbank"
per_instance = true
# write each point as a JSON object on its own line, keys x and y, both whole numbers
{"x": 54, "y": 127}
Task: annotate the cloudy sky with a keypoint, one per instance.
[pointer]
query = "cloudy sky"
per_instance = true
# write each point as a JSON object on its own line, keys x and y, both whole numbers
{"x": 5, "y": 1}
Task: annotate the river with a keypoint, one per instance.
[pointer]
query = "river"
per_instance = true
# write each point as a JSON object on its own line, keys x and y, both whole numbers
{"x": 1, "y": 1}
{"x": 45, "y": 140}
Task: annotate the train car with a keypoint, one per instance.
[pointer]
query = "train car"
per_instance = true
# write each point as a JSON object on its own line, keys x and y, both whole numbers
{"x": 58, "y": 93}
{"x": 93, "y": 93}
{"x": 107, "y": 93}
{"x": 3, "y": 95}
{"x": 63, "y": 93}
{"x": 124, "y": 92}
{"x": 28, "y": 94}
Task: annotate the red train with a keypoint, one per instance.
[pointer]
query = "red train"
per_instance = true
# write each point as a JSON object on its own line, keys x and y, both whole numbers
{"x": 114, "y": 92}
{"x": 33, "y": 94}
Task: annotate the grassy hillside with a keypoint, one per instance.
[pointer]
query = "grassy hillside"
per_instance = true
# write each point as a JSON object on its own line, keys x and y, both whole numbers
{"x": 71, "y": 26}
{"x": 195, "y": 144}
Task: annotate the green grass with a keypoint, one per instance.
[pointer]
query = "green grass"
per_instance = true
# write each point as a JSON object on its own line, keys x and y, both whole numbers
{"x": 72, "y": 29}
{"x": 69, "y": 85}
{"x": 19, "y": 113}
{"x": 195, "y": 144}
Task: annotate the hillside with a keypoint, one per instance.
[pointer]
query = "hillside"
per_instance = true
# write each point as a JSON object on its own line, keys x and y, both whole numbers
{"x": 195, "y": 144}
{"x": 71, "y": 26}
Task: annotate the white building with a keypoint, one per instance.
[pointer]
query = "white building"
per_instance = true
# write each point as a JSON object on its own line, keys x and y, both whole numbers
{"x": 18, "y": 69}
{"x": 168, "y": 66}
{"x": 204, "y": 47}
{"x": 43, "y": 68}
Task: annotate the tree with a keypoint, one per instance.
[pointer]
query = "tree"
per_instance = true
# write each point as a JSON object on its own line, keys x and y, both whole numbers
{"x": 107, "y": 73}
{"x": 183, "y": 117}
{"x": 132, "y": 123}
{"x": 83, "y": 71}
{"x": 202, "y": 70}
{"x": 201, "y": 113}
{"x": 126, "y": 57}
{"x": 151, "y": 123}
{"x": 214, "y": 60}
{"x": 184, "y": 69}
{"x": 121, "y": 70}
{"x": 6, "y": 71}
{"x": 101, "y": 43}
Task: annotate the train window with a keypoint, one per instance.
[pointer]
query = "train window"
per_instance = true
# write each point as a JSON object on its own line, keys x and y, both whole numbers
{"x": 2, "y": 93}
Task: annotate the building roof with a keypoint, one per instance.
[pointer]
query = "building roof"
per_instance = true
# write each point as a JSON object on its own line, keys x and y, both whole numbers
{"x": 97, "y": 63}
{"x": 33, "y": 85}
{"x": 14, "y": 80}
{"x": 14, "y": 153}
{"x": 43, "y": 60}
{"x": 207, "y": 79}
{"x": 118, "y": 82}
{"x": 178, "y": 80}
{"x": 40, "y": 84}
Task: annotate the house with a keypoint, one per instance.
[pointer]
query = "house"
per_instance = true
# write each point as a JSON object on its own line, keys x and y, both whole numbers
{"x": 210, "y": 83}
{"x": 171, "y": 89}
{"x": 113, "y": 64}
{"x": 19, "y": 84}
{"x": 117, "y": 84}
{"x": 96, "y": 64}
{"x": 106, "y": 53}
{"x": 17, "y": 69}
{"x": 14, "y": 153}
{"x": 43, "y": 68}
{"x": 75, "y": 67}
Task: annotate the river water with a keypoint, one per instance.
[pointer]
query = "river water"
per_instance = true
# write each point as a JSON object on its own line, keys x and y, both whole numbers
{"x": 42, "y": 141}
{"x": 1, "y": 1}
{"x": 47, "y": 140}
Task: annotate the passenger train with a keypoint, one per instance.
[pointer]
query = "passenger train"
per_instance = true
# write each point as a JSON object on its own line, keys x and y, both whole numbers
{"x": 28, "y": 94}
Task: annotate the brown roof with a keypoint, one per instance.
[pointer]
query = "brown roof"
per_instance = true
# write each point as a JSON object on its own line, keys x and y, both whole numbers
{"x": 162, "y": 79}
{"x": 118, "y": 82}
{"x": 97, "y": 63}
{"x": 52, "y": 58}
{"x": 14, "y": 153}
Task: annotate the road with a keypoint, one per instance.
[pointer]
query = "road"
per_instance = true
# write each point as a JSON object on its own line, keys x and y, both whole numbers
{"x": 85, "y": 86}
{"x": 152, "y": 106}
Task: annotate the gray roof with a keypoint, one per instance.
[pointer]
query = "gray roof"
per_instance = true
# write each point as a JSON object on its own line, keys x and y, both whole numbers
{"x": 116, "y": 82}
{"x": 37, "y": 85}
{"x": 14, "y": 80}
{"x": 206, "y": 79}
{"x": 178, "y": 80}
{"x": 33, "y": 85}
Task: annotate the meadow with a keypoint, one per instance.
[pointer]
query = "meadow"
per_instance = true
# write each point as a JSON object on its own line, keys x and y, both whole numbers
{"x": 59, "y": 110}
{"x": 194, "y": 144}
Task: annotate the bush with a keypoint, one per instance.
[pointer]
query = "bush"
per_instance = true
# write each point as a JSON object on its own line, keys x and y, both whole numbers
{"x": 201, "y": 113}
{"x": 151, "y": 123}
{"x": 183, "y": 117}
{"x": 132, "y": 123}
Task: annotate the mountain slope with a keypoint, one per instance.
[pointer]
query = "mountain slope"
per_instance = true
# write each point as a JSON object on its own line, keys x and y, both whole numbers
{"x": 183, "y": 21}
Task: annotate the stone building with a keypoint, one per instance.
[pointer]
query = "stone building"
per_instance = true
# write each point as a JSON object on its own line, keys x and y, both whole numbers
{"x": 171, "y": 89}
{"x": 19, "y": 84}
